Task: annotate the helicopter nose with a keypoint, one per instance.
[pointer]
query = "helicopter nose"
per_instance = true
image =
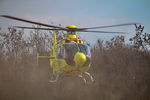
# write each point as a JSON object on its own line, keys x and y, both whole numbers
{"x": 79, "y": 58}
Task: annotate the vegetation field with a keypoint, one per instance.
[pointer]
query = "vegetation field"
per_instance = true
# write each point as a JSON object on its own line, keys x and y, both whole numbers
{"x": 121, "y": 71}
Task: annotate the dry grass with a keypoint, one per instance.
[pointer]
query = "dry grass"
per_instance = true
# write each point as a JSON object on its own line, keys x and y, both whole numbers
{"x": 120, "y": 72}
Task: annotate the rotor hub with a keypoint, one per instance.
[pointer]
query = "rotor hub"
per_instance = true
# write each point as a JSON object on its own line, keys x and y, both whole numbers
{"x": 71, "y": 27}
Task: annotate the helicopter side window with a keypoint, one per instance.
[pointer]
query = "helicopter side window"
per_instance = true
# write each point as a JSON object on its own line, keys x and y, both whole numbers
{"x": 85, "y": 49}
{"x": 67, "y": 51}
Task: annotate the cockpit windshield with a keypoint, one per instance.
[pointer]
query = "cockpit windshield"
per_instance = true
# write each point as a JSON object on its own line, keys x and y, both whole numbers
{"x": 68, "y": 50}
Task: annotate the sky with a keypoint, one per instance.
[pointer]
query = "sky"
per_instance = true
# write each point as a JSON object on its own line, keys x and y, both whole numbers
{"x": 83, "y": 13}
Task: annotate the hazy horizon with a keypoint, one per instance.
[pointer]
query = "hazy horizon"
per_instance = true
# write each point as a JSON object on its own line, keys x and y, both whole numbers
{"x": 83, "y": 13}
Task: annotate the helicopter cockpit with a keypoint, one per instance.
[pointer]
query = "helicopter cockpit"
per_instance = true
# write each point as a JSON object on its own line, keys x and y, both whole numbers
{"x": 68, "y": 51}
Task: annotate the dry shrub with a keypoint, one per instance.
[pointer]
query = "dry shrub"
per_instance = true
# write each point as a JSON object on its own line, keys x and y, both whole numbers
{"x": 121, "y": 72}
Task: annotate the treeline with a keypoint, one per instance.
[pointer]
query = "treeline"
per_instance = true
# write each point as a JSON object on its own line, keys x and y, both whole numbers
{"x": 121, "y": 71}
{"x": 16, "y": 44}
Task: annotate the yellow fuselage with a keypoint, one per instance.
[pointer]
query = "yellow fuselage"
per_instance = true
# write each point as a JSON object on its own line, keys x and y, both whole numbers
{"x": 60, "y": 65}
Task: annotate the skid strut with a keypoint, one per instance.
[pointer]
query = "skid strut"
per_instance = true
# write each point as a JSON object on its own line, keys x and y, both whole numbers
{"x": 86, "y": 76}
{"x": 54, "y": 77}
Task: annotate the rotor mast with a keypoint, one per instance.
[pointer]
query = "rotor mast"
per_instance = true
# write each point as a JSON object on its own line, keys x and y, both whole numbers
{"x": 71, "y": 33}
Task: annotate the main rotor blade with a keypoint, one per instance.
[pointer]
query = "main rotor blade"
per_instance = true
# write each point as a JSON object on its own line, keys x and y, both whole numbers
{"x": 36, "y": 28}
{"x": 28, "y": 21}
{"x": 61, "y": 29}
{"x": 105, "y": 32}
{"x": 118, "y": 25}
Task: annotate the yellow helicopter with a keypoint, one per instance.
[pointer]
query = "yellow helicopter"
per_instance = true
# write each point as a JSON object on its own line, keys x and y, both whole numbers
{"x": 70, "y": 56}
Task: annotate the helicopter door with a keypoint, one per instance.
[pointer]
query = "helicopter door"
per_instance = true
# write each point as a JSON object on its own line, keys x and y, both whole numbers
{"x": 86, "y": 50}
{"x": 67, "y": 52}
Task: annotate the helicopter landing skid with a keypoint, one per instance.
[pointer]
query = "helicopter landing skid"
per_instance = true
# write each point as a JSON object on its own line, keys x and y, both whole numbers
{"x": 54, "y": 78}
{"x": 86, "y": 76}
